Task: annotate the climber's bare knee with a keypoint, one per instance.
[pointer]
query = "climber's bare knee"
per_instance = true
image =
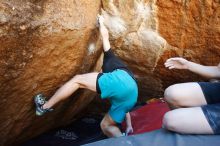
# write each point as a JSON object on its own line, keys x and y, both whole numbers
{"x": 87, "y": 80}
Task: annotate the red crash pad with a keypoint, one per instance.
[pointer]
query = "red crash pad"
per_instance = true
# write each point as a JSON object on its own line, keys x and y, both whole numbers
{"x": 148, "y": 117}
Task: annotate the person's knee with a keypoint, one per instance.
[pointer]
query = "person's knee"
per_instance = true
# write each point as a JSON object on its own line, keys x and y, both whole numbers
{"x": 104, "y": 126}
{"x": 170, "y": 122}
{"x": 171, "y": 95}
{"x": 79, "y": 79}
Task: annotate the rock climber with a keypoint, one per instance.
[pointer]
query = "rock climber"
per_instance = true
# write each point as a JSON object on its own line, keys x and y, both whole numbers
{"x": 116, "y": 83}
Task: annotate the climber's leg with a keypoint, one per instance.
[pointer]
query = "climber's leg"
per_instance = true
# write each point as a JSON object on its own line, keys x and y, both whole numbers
{"x": 79, "y": 81}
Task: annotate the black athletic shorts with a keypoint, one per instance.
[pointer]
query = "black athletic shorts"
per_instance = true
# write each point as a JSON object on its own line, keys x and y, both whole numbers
{"x": 111, "y": 63}
{"x": 211, "y": 111}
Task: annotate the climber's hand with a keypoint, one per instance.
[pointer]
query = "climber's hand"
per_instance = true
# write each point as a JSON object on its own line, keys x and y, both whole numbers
{"x": 100, "y": 19}
{"x": 103, "y": 30}
{"x": 129, "y": 130}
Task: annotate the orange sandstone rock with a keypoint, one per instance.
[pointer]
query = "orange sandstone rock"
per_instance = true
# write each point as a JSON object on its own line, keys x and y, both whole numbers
{"x": 45, "y": 43}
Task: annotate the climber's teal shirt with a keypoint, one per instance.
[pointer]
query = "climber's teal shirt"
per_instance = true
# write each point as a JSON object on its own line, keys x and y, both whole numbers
{"x": 122, "y": 91}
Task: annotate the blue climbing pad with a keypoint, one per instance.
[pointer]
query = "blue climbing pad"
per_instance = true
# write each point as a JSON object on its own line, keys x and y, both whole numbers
{"x": 160, "y": 137}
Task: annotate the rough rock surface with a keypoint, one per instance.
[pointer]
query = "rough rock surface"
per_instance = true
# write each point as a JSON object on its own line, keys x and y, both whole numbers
{"x": 45, "y": 43}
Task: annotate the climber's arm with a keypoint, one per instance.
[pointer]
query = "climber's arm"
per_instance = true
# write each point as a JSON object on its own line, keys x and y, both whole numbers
{"x": 104, "y": 33}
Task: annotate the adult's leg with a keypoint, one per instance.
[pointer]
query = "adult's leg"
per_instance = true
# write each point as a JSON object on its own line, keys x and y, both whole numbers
{"x": 109, "y": 127}
{"x": 187, "y": 121}
{"x": 185, "y": 95}
{"x": 79, "y": 81}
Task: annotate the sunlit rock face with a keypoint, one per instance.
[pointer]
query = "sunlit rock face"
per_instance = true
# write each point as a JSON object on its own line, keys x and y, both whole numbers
{"x": 45, "y": 43}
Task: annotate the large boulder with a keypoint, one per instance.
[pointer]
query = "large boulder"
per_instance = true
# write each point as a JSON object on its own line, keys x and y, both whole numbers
{"x": 45, "y": 43}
